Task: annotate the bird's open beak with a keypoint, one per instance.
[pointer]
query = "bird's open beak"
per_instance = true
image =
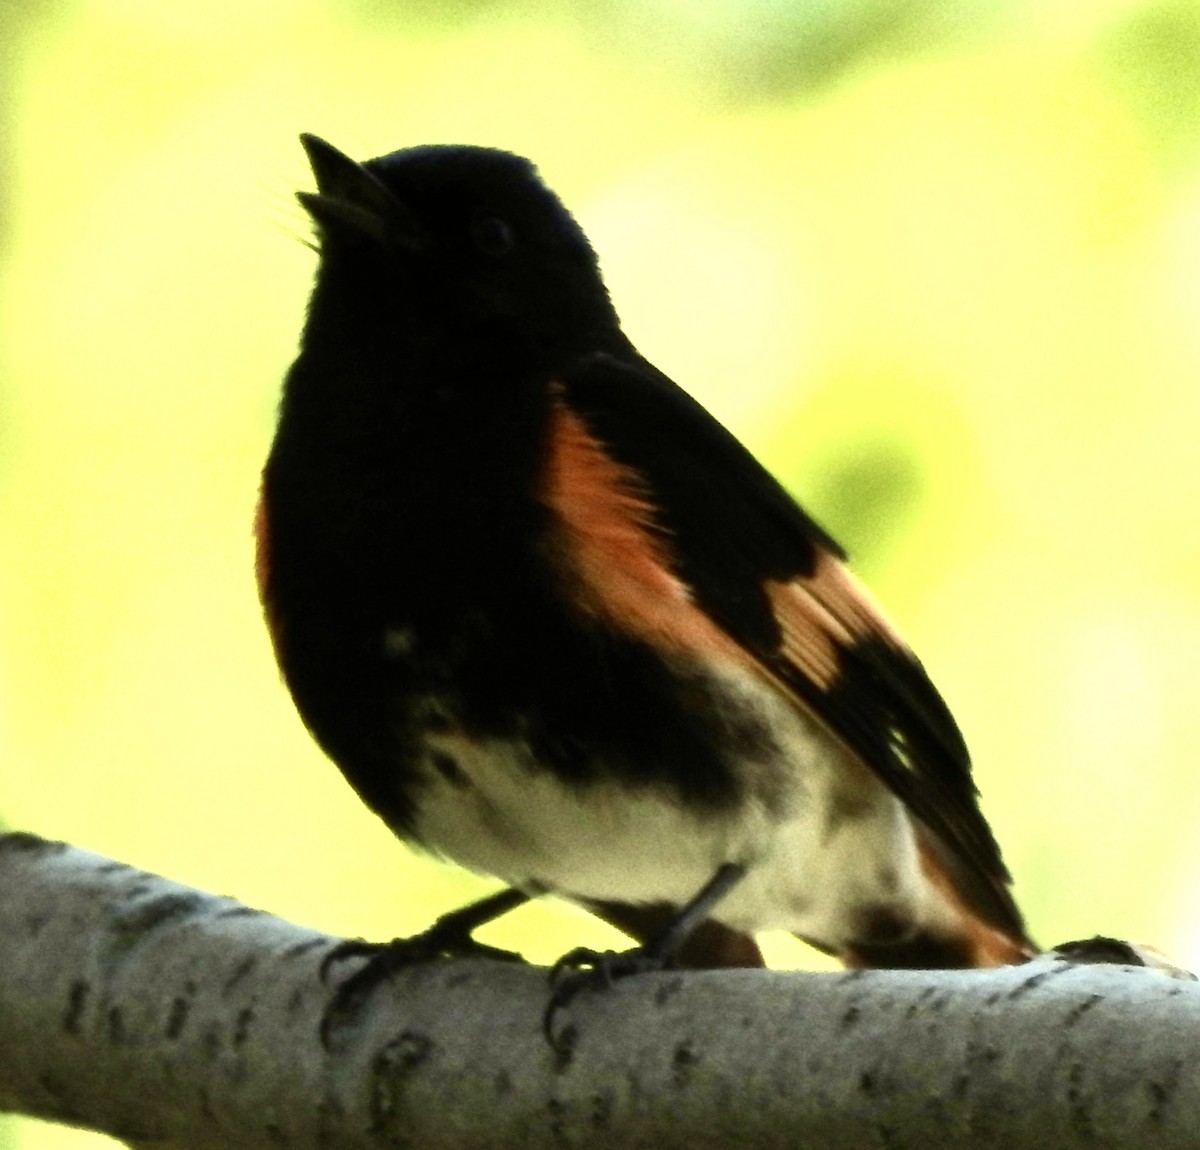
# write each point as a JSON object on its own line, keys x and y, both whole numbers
{"x": 349, "y": 198}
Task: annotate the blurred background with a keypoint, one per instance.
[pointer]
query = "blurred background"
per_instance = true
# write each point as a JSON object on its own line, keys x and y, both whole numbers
{"x": 937, "y": 263}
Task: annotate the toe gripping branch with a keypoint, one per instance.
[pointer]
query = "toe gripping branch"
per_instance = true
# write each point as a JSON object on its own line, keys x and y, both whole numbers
{"x": 451, "y": 936}
{"x": 583, "y": 969}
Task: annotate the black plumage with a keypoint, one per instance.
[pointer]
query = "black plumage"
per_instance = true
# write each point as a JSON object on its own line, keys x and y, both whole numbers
{"x": 551, "y": 619}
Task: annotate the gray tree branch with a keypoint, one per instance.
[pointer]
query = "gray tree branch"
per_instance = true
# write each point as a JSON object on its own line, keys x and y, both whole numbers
{"x": 172, "y": 1018}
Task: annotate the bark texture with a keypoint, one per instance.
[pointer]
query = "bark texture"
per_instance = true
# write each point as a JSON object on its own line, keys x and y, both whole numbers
{"x": 172, "y": 1018}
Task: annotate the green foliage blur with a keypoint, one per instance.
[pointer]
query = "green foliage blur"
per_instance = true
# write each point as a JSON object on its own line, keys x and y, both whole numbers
{"x": 938, "y": 264}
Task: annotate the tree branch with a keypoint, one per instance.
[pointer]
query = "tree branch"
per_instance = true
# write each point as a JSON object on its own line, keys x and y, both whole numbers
{"x": 173, "y": 1018}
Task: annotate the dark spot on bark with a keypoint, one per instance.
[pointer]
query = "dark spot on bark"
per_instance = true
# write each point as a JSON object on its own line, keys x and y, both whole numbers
{"x": 978, "y": 1058}
{"x": 35, "y": 923}
{"x": 139, "y": 915}
{"x": 1080, "y": 1009}
{"x": 404, "y": 1054}
{"x": 1031, "y": 983}
{"x": 447, "y": 766}
{"x": 850, "y": 1016}
{"x": 274, "y": 1133}
{"x": 564, "y": 1047}
{"x": 237, "y": 911}
{"x": 1163, "y": 1093}
{"x": 305, "y": 947}
{"x": 1077, "y": 1103}
{"x": 601, "y": 1109}
{"x": 22, "y": 842}
{"x": 241, "y": 1025}
{"x": 683, "y": 1061}
{"x": 556, "y": 1109}
{"x": 889, "y": 1138}
{"x": 503, "y": 1083}
{"x": 241, "y": 971}
{"x": 1036, "y": 980}
{"x": 331, "y": 1116}
{"x": 981, "y": 1056}
{"x": 177, "y": 1017}
{"x": 116, "y": 1025}
{"x": 77, "y": 998}
{"x": 919, "y": 1002}
{"x": 210, "y": 1042}
{"x": 390, "y": 1067}
{"x": 875, "y": 1082}
{"x": 667, "y": 990}
{"x": 1158, "y": 1098}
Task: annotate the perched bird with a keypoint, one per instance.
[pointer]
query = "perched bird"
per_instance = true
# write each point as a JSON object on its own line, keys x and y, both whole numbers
{"x": 554, "y": 622}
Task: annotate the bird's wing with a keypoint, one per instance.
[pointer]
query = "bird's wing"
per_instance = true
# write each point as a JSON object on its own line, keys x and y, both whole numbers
{"x": 679, "y": 531}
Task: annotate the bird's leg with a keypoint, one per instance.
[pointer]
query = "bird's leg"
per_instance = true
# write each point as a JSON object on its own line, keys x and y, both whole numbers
{"x": 451, "y": 936}
{"x": 582, "y": 967}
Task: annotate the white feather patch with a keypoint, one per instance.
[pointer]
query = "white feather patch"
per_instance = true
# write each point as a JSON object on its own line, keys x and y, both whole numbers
{"x": 833, "y": 845}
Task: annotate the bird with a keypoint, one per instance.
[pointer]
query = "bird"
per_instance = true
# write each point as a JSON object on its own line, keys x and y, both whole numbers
{"x": 556, "y": 624}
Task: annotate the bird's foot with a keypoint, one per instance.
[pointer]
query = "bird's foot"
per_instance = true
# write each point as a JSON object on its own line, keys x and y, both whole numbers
{"x": 585, "y": 969}
{"x": 439, "y": 941}
{"x": 451, "y": 936}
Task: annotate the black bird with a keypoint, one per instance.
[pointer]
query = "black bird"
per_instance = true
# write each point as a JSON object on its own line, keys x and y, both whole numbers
{"x": 554, "y": 622}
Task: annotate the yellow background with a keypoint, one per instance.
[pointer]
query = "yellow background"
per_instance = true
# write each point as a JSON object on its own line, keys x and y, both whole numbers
{"x": 939, "y": 265}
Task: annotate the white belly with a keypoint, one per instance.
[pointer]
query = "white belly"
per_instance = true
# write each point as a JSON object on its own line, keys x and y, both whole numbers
{"x": 830, "y": 846}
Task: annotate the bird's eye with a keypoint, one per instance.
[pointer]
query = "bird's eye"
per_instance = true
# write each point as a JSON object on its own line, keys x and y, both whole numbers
{"x": 492, "y": 235}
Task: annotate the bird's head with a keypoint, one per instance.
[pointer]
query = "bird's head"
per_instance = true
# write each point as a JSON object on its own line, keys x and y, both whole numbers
{"x": 465, "y": 241}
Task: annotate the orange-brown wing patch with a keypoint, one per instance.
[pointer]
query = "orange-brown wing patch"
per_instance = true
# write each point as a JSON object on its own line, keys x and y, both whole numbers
{"x": 262, "y": 549}
{"x": 811, "y": 633}
{"x": 622, "y": 568}
{"x": 617, "y": 556}
{"x": 849, "y": 600}
{"x": 823, "y": 613}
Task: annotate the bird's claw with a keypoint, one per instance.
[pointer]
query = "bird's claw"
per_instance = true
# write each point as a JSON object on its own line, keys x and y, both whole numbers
{"x": 446, "y": 938}
{"x": 584, "y": 969}
{"x": 427, "y": 946}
